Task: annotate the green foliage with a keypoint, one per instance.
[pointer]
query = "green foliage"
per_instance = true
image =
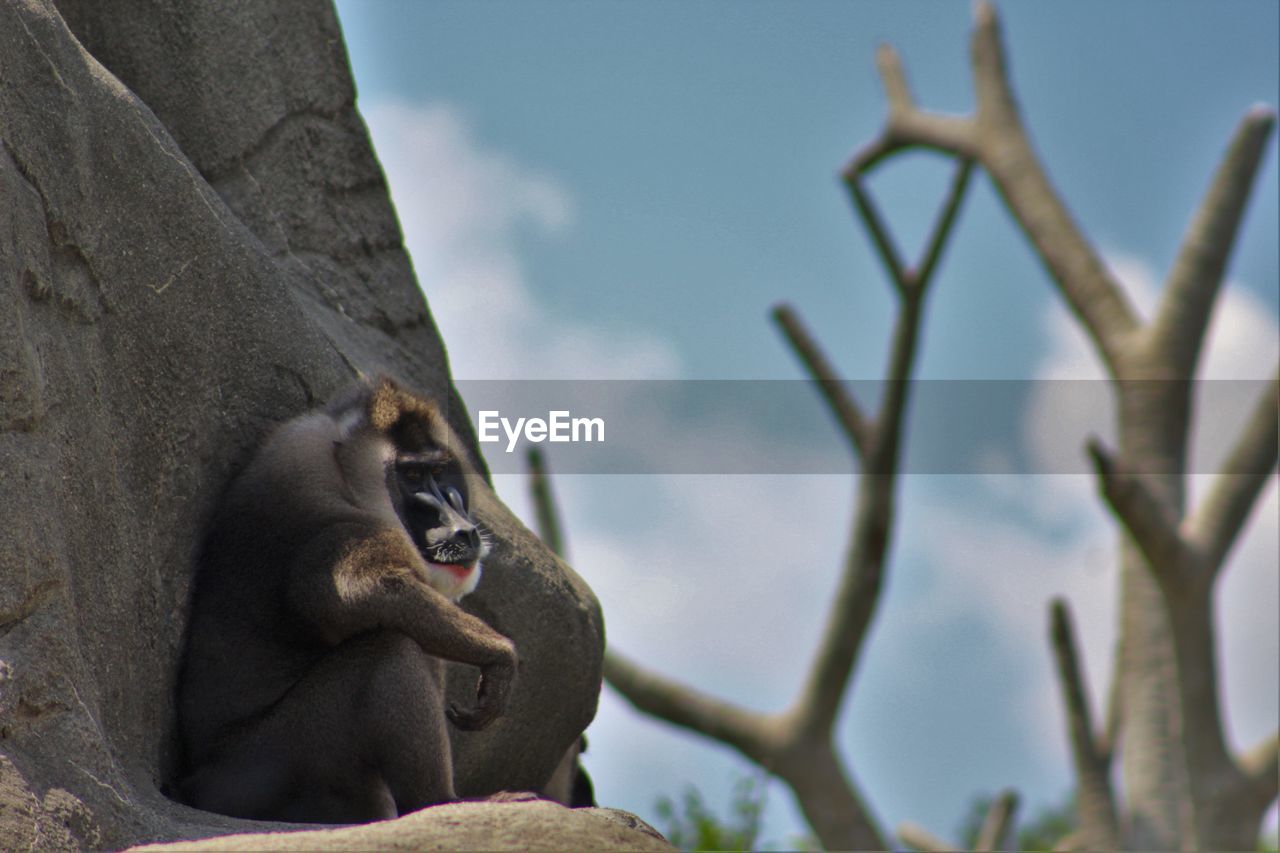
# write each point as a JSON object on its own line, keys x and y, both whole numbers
{"x": 1049, "y": 826}
{"x": 1041, "y": 832}
{"x": 692, "y": 826}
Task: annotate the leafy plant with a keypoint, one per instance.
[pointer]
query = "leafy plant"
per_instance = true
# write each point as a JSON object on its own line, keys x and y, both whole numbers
{"x": 691, "y": 825}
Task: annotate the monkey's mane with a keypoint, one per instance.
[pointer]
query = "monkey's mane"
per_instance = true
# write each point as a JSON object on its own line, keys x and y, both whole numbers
{"x": 410, "y": 419}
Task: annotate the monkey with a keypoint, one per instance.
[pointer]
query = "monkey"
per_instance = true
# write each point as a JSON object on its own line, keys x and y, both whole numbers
{"x": 323, "y": 606}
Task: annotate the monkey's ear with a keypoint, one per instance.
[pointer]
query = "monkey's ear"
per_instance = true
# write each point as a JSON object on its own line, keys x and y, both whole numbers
{"x": 392, "y": 407}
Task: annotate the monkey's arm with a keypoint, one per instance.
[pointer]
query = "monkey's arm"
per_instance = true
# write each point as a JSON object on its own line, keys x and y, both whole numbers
{"x": 378, "y": 582}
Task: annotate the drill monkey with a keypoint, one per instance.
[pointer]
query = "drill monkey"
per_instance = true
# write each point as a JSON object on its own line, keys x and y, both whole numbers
{"x": 323, "y": 607}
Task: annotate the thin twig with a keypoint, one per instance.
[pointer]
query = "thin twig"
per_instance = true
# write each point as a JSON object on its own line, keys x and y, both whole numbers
{"x": 894, "y": 79}
{"x": 845, "y": 408}
{"x": 880, "y": 237}
{"x": 690, "y": 708}
{"x": 946, "y": 220}
{"x": 544, "y": 505}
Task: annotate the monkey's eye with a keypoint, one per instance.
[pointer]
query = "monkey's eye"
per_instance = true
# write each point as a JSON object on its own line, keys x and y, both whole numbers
{"x": 437, "y": 471}
{"x": 411, "y": 474}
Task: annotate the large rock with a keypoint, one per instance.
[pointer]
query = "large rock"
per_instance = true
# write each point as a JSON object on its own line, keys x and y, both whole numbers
{"x": 195, "y": 243}
{"x": 460, "y": 826}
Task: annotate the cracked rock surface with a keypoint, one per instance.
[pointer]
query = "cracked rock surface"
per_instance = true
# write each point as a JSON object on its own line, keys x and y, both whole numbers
{"x": 196, "y": 242}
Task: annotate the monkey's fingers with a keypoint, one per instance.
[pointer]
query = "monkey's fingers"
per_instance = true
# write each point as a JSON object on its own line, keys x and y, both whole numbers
{"x": 473, "y": 720}
{"x": 491, "y": 699}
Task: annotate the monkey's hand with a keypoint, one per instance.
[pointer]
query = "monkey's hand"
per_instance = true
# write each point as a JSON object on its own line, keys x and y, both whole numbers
{"x": 491, "y": 695}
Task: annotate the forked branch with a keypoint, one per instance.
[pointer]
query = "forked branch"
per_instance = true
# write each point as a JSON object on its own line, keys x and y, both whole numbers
{"x": 908, "y": 280}
{"x": 996, "y": 138}
{"x": 858, "y": 595}
{"x": 794, "y": 743}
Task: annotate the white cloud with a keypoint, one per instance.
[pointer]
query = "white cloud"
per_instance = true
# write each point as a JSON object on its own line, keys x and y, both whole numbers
{"x": 462, "y": 207}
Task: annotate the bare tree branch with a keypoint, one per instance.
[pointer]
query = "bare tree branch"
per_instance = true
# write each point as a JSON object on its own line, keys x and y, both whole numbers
{"x": 750, "y": 733}
{"x": 1145, "y": 488}
{"x": 544, "y": 504}
{"x": 857, "y": 598}
{"x": 1095, "y": 802}
{"x": 1216, "y": 524}
{"x": 1005, "y": 150}
{"x": 996, "y": 138}
{"x": 894, "y": 79}
{"x": 998, "y": 823}
{"x": 907, "y": 126}
{"x": 919, "y": 838}
{"x": 861, "y": 580}
{"x": 1149, "y": 520}
{"x": 941, "y": 233}
{"x": 880, "y": 238}
{"x": 845, "y": 408}
{"x": 1197, "y": 273}
{"x": 803, "y": 737}
{"x": 905, "y": 278}
{"x": 996, "y": 103}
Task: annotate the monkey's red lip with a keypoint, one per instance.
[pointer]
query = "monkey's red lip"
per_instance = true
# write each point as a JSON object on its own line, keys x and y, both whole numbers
{"x": 458, "y": 571}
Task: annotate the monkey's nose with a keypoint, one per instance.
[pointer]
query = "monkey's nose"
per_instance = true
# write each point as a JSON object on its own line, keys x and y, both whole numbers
{"x": 468, "y": 538}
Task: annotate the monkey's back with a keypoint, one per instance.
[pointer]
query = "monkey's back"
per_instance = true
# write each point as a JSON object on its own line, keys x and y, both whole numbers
{"x": 246, "y": 647}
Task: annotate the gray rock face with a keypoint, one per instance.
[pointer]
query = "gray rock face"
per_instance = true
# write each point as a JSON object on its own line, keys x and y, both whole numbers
{"x": 196, "y": 242}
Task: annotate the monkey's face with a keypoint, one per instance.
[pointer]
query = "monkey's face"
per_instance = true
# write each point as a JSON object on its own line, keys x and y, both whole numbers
{"x": 431, "y": 496}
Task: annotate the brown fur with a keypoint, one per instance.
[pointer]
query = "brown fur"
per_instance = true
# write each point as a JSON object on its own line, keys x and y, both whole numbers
{"x": 311, "y": 687}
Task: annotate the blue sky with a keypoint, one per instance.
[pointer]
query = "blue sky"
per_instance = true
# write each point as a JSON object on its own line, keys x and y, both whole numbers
{"x": 623, "y": 190}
